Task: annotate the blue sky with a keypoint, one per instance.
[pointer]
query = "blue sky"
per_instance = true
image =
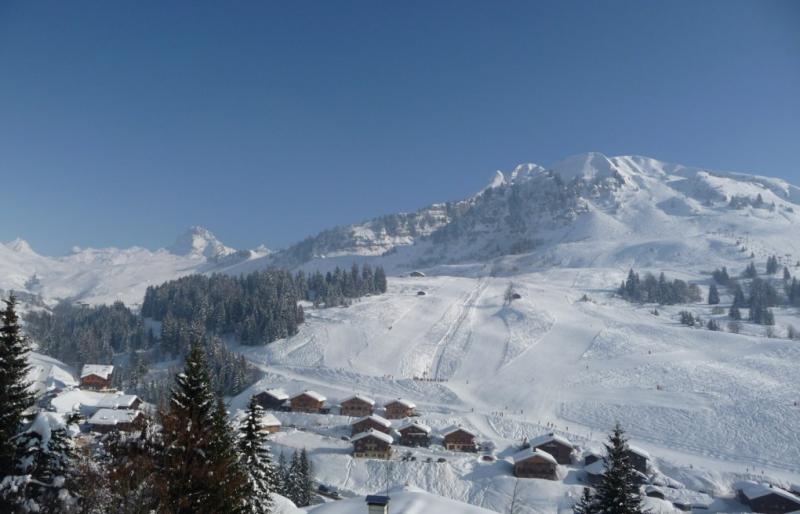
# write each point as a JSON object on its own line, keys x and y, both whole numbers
{"x": 123, "y": 123}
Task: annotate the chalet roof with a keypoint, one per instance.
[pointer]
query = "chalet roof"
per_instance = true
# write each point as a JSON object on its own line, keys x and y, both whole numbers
{"x": 269, "y": 420}
{"x": 597, "y": 467}
{"x": 278, "y": 394}
{"x": 415, "y": 424}
{"x": 311, "y": 394}
{"x": 456, "y": 428}
{"x": 113, "y": 416}
{"x": 363, "y": 398}
{"x": 116, "y": 401}
{"x": 386, "y": 438}
{"x": 374, "y": 499}
{"x": 639, "y": 451}
{"x": 101, "y": 370}
{"x": 404, "y": 403}
{"x": 546, "y": 438}
{"x": 529, "y": 453}
{"x": 753, "y": 491}
{"x": 377, "y": 419}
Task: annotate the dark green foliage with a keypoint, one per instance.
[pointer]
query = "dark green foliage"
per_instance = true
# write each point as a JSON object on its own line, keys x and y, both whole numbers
{"x": 713, "y": 325}
{"x": 713, "y": 295}
{"x": 618, "y": 492}
{"x": 772, "y": 265}
{"x": 750, "y": 271}
{"x": 340, "y": 287}
{"x": 15, "y": 398}
{"x": 79, "y": 335}
{"x": 787, "y": 276}
{"x": 762, "y": 296}
{"x": 793, "y": 293}
{"x": 734, "y": 313}
{"x": 661, "y": 291}
{"x": 587, "y": 504}
{"x": 721, "y": 277}
{"x": 298, "y": 479}
{"x": 689, "y": 319}
{"x": 738, "y": 296}
{"x": 256, "y": 460}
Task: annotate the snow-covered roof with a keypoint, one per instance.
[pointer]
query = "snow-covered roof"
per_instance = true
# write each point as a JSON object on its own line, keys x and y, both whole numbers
{"x": 753, "y": 490}
{"x": 425, "y": 428}
{"x": 269, "y": 420}
{"x": 406, "y": 499}
{"x": 278, "y": 394}
{"x": 364, "y": 399}
{"x": 116, "y": 401}
{"x": 546, "y": 438}
{"x": 101, "y": 370}
{"x": 113, "y": 416}
{"x": 373, "y": 433}
{"x": 455, "y": 428}
{"x": 377, "y": 419}
{"x": 312, "y": 394}
{"x": 405, "y": 403}
{"x": 529, "y": 453}
{"x": 597, "y": 467}
{"x": 639, "y": 451}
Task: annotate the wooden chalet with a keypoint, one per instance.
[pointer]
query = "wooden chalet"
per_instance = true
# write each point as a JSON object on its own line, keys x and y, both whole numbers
{"x": 307, "y": 401}
{"x": 766, "y": 499}
{"x": 399, "y": 409}
{"x": 460, "y": 439}
{"x": 535, "y": 463}
{"x": 591, "y": 456}
{"x": 270, "y": 424}
{"x": 96, "y": 376}
{"x": 638, "y": 458}
{"x": 109, "y": 420}
{"x": 372, "y": 445}
{"x": 371, "y": 422}
{"x": 557, "y": 446}
{"x": 357, "y": 406}
{"x": 272, "y": 399}
{"x": 415, "y": 434}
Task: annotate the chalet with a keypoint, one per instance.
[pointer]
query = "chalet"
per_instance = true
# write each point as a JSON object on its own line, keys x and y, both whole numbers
{"x": 415, "y": 434}
{"x": 371, "y": 422}
{"x": 638, "y": 458}
{"x": 272, "y": 399}
{"x": 557, "y": 446}
{"x": 590, "y": 457}
{"x": 357, "y": 406}
{"x": 307, "y": 401}
{"x": 654, "y": 492}
{"x": 596, "y": 470}
{"x": 372, "y": 445}
{"x": 270, "y": 424}
{"x": 96, "y": 376}
{"x": 766, "y": 499}
{"x": 109, "y": 420}
{"x": 377, "y": 504}
{"x": 399, "y": 409}
{"x": 416, "y": 274}
{"x": 87, "y": 403}
{"x": 534, "y": 463}
{"x": 460, "y": 439}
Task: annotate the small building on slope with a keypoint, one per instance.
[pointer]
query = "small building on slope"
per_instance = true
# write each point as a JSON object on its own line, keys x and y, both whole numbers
{"x": 97, "y": 376}
{"x": 460, "y": 439}
{"x": 535, "y": 463}
{"x": 399, "y": 409}
{"x": 109, "y": 420}
{"x": 557, "y": 446}
{"x": 357, "y": 406}
{"x": 372, "y": 445}
{"x": 415, "y": 433}
{"x": 307, "y": 401}
{"x": 766, "y": 499}
{"x": 272, "y": 399}
{"x": 371, "y": 422}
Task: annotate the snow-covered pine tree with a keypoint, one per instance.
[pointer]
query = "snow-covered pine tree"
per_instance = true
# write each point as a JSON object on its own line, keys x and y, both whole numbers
{"x": 618, "y": 492}
{"x": 713, "y": 295}
{"x": 283, "y": 476}
{"x": 228, "y": 491}
{"x": 787, "y": 276}
{"x": 772, "y": 265}
{"x": 587, "y": 503}
{"x": 187, "y": 479}
{"x": 306, "y": 479}
{"x": 262, "y": 477}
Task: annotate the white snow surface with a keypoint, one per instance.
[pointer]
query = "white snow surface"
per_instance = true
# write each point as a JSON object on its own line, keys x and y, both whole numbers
{"x": 408, "y": 500}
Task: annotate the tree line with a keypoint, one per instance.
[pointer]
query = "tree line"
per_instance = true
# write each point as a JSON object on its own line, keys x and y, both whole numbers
{"x": 657, "y": 290}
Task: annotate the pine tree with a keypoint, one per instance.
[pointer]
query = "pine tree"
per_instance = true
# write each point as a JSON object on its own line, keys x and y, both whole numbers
{"x": 750, "y": 271}
{"x": 772, "y": 265}
{"x": 713, "y": 295}
{"x": 262, "y": 477}
{"x": 306, "y": 480}
{"x": 187, "y": 473}
{"x": 618, "y": 492}
{"x": 786, "y": 275}
{"x": 230, "y": 487}
{"x": 380, "y": 280}
{"x": 734, "y": 313}
{"x": 587, "y": 504}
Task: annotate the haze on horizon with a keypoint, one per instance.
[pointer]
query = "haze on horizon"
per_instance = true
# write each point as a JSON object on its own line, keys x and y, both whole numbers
{"x": 266, "y": 122}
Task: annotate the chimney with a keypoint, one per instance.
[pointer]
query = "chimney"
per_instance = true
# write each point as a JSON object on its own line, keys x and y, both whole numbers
{"x": 377, "y": 504}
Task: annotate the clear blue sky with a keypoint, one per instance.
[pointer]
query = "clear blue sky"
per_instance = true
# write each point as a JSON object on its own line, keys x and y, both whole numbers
{"x": 123, "y": 123}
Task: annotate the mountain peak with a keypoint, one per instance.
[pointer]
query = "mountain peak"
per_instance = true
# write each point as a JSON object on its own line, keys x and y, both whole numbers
{"x": 198, "y": 241}
{"x": 20, "y": 246}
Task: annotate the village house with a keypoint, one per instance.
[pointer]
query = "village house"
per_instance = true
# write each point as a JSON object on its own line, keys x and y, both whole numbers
{"x": 557, "y": 446}
{"x": 87, "y": 403}
{"x": 372, "y": 445}
{"x": 535, "y": 463}
{"x": 371, "y": 422}
{"x": 357, "y": 406}
{"x": 460, "y": 439}
{"x": 272, "y": 399}
{"x": 591, "y": 456}
{"x": 96, "y": 376}
{"x": 108, "y": 420}
{"x": 307, "y": 401}
{"x": 638, "y": 458}
{"x": 399, "y": 409}
{"x": 415, "y": 434}
{"x": 377, "y": 504}
{"x": 766, "y": 499}
{"x": 269, "y": 423}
